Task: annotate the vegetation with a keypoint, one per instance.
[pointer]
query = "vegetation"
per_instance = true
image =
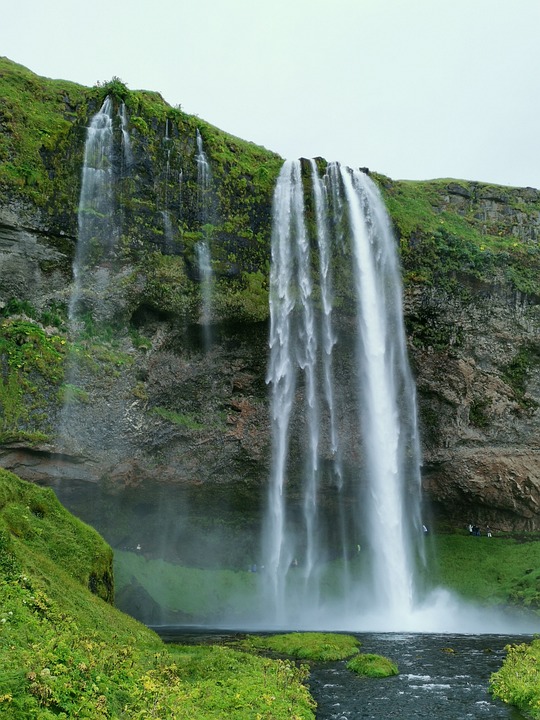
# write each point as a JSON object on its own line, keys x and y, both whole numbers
{"x": 496, "y": 571}
{"x": 66, "y": 653}
{"x": 370, "y": 665}
{"x": 37, "y": 117}
{"x": 500, "y": 571}
{"x": 306, "y": 645}
{"x": 31, "y": 370}
{"x": 444, "y": 237}
{"x": 178, "y": 418}
{"x": 197, "y": 593}
{"x": 518, "y": 681}
{"x": 516, "y": 373}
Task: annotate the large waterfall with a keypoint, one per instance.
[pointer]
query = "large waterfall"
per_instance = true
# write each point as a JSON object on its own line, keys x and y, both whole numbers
{"x": 343, "y": 411}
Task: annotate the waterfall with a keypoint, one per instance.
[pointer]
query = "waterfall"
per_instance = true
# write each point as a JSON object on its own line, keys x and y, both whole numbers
{"x": 127, "y": 151}
{"x": 166, "y": 142}
{"x": 96, "y": 234}
{"x": 204, "y": 258}
{"x": 96, "y": 242}
{"x": 386, "y": 395}
{"x": 167, "y": 231}
{"x": 205, "y": 280}
{"x": 343, "y": 410}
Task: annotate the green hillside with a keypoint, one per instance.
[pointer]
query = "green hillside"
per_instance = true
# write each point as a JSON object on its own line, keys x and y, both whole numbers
{"x": 65, "y": 652}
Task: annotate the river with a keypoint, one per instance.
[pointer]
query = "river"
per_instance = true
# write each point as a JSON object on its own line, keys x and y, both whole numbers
{"x": 441, "y": 676}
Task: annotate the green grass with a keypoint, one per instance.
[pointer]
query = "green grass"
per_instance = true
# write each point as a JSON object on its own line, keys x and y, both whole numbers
{"x": 31, "y": 370}
{"x": 497, "y": 570}
{"x": 518, "y": 681}
{"x": 375, "y": 666}
{"x": 65, "y": 652}
{"x": 192, "y": 591}
{"x": 176, "y": 418}
{"x": 439, "y": 245}
{"x": 306, "y": 645}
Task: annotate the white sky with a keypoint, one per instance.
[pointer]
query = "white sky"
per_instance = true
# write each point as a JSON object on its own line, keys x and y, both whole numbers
{"x": 411, "y": 88}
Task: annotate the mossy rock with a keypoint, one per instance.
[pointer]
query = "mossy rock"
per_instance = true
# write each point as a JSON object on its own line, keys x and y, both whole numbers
{"x": 306, "y": 645}
{"x": 370, "y": 665}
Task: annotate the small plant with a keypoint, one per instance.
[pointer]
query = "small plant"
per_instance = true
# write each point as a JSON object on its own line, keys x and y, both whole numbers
{"x": 177, "y": 418}
{"x": 516, "y": 373}
{"x": 115, "y": 86}
{"x": 69, "y": 393}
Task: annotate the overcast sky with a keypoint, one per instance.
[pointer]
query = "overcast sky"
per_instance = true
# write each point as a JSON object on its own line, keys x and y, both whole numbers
{"x": 410, "y": 88}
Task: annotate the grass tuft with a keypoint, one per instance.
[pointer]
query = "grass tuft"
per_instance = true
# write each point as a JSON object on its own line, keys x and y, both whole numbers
{"x": 370, "y": 665}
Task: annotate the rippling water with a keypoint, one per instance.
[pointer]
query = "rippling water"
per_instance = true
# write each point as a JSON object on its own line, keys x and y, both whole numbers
{"x": 441, "y": 676}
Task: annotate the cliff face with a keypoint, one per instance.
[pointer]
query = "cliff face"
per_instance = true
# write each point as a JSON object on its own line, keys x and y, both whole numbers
{"x": 158, "y": 401}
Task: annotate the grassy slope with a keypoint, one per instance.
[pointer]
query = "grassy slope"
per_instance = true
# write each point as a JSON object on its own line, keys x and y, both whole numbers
{"x": 65, "y": 652}
{"x": 498, "y": 570}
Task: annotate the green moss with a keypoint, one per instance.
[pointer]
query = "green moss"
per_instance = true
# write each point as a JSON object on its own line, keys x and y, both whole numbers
{"x": 518, "y": 681}
{"x": 31, "y": 368}
{"x": 427, "y": 329}
{"x": 440, "y": 244}
{"x": 516, "y": 373}
{"x": 38, "y": 116}
{"x": 370, "y": 665}
{"x": 69, "y": 393}
{"x": 306, "y": 645}
{"x": 177, "y": 418}
{"x": 478, "y": 415}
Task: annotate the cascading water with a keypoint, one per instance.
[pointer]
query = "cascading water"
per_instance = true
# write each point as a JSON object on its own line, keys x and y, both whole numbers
{"x": 386, "y": 397}
{"x": 204, "y": 258}
{"x": 127, "y": 151}
{"x": 96, "y": 241}
{"x": 96, "y": 235}
{"x": 205, "y": 274}
{"x": 329, "y": 567}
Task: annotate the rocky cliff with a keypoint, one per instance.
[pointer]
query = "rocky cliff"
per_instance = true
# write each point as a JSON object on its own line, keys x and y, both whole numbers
{"x": 154, "y": 404}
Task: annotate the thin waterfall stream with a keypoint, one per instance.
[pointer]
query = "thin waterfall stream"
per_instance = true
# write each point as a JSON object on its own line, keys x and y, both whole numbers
{"x": 203, "y": 254}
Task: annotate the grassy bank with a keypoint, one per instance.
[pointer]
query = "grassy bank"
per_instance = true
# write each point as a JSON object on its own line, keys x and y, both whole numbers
{"x": 495, "y": 571}
{"x": 65, "y": 652}
{"x": 518, "y": 681}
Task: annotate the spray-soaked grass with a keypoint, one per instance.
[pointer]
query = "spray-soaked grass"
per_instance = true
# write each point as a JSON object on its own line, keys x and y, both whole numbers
{"x": 497, "y": 570}
{"x": 193, "y": 591}
{"x": 494, "y": 571}
{"x": 209, "y": 595}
